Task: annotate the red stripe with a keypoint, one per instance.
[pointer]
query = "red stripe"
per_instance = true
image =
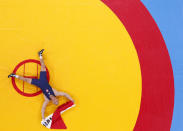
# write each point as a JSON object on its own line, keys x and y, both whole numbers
{"x": 57, "y": 122}
{"x": 157, "y": 100}
{"x": 37, "y": 76}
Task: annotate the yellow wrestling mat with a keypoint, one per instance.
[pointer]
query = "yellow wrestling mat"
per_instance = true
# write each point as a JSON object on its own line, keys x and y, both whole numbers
{"x": 89, "y": 55}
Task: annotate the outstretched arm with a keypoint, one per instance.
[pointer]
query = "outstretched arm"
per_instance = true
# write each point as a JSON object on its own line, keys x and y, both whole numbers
{"x": 43, "y": 108}
{"x": 66, "y": 95}
{"x": 57, "y": 93}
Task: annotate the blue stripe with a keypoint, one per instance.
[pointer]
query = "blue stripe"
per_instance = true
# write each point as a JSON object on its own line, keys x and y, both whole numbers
{"x": 168, "y": 15}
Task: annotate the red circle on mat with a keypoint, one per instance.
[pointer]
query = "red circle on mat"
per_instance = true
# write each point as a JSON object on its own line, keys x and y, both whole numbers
{"x": 13, "y": 79}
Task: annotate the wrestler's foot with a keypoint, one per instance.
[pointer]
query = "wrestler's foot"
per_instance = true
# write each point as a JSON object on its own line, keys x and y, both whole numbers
{"x": 11, "y": 75}
{"x": 40, "y": 52}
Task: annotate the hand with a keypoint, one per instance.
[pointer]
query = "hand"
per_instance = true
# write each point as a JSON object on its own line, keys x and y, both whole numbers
{"x": 71, "y": 100}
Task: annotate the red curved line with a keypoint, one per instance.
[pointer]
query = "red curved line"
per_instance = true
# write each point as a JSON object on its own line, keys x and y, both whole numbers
{"x": 14, "y": 83}
{"x": 157, "y": 100}
{"x": 23, "y": 76}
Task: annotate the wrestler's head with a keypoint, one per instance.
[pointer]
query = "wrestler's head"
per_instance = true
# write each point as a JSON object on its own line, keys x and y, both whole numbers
{"x": 54, "y": 99}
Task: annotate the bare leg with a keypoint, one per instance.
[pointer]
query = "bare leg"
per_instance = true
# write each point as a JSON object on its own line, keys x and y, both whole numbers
{"x": 28, "y": 80}
{"x": 58, "y": 93}
{"x": 43, "y": 67}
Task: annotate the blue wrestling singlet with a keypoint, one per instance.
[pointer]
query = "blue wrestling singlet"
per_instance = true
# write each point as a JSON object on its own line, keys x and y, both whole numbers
{"x": 43, "y": 83}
